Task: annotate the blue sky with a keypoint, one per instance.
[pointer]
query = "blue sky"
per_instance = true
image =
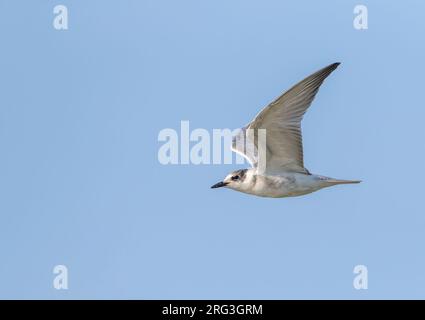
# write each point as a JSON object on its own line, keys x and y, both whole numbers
{"x": 81, "y": 185}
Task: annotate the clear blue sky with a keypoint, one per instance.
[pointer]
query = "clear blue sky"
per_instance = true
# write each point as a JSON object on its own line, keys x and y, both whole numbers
{"x": 80, "y": 112}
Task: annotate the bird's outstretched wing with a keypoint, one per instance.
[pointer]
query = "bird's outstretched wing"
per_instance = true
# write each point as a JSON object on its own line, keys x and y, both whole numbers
{"x": 282, "y": 121}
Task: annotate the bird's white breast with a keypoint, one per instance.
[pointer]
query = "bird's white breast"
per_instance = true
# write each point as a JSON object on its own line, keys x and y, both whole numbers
{"x": 283, "y": 185}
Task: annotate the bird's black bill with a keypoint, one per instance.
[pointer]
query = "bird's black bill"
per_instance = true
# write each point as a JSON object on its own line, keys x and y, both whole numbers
{"x": 218, "y": 185}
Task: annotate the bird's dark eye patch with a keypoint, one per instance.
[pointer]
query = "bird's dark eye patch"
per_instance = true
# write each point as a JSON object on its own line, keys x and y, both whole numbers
{"x": 234, "y": 178}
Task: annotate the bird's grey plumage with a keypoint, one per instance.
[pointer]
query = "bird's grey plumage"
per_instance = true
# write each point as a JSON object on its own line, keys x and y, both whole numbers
{"x": 281, "y": 120}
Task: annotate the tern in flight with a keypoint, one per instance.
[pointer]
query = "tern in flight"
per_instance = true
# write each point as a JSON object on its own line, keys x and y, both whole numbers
{"x": 277, "y": 166}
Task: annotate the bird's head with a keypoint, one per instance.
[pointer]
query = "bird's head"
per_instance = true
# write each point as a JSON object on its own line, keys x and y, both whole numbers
{"x": 236, "y": 180}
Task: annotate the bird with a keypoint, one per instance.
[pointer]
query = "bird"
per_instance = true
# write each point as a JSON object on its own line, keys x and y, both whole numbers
{"x": 277, "y": 166}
